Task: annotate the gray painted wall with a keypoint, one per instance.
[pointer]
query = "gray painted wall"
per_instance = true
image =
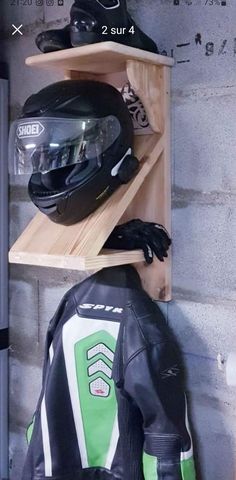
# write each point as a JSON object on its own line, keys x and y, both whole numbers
{"x": 202, "y": 313}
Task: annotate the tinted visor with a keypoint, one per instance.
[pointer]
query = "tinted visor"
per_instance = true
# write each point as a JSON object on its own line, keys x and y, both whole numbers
{"x": 45, "y": 144}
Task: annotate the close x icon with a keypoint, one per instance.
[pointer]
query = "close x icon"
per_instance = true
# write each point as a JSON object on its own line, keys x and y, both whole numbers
{"x": 17, "y": 30}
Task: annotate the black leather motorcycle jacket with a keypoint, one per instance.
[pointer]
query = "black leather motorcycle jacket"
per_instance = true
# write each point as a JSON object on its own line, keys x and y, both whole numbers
{"x": 112, "y": 405}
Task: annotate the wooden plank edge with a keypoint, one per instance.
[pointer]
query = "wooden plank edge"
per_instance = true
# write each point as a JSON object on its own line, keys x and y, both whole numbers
{"x": 77, "y": 263}
{"x": 167, "y": 165}
{"x": 44, "y": 59}
{"x": 104, "y": 260}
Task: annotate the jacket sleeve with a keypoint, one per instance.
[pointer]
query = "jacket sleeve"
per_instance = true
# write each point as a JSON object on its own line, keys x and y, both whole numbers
{"x": 153, "y": 379}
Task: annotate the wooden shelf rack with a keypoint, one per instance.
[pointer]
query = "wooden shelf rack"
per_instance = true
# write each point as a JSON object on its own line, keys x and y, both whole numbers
{"x": 147, "y": 196}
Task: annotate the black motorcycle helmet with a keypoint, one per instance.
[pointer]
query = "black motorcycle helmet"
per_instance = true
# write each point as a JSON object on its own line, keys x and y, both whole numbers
{"x": 76, "y": 138}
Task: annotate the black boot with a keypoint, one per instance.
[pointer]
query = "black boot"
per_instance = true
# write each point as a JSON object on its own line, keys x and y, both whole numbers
{"x": 95, "y": 21}
{"x": 53, "y": 40}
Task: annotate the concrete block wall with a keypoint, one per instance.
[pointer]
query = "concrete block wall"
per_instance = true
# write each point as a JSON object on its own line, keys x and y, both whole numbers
{"x": 200, "y": 34}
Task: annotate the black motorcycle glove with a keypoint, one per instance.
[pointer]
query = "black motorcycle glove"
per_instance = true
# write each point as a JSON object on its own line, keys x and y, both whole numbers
{"x": 150, "y": 237}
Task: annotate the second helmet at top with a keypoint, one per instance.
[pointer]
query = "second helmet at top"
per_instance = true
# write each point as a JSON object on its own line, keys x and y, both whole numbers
{"x": 76, "y": 139}
{"x": 93, "y": 21}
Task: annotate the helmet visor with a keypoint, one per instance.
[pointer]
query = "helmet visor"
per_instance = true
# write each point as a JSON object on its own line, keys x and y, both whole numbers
{"x": 45, "y": 144}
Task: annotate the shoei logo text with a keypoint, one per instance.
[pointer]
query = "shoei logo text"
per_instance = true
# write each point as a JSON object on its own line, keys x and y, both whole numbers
{"x": 27, "y": 130}
{"x": 105, "y": 308}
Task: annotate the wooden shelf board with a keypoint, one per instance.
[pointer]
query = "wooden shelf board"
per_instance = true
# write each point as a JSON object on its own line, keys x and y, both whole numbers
{"x": 107, "y": 258}
{"x": 101, "y": 58}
